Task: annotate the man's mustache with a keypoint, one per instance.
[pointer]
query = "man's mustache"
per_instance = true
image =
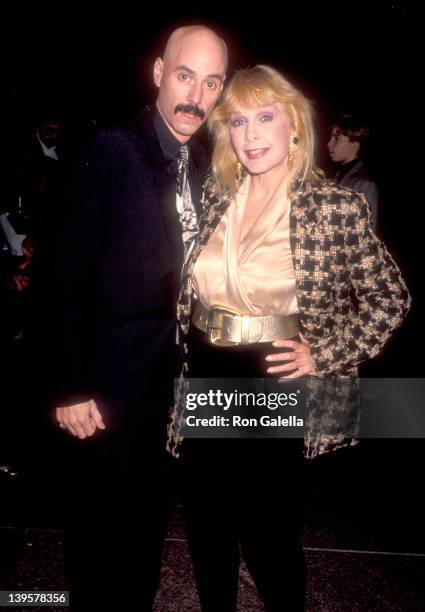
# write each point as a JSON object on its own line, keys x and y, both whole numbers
{"x": 191, "y": 109}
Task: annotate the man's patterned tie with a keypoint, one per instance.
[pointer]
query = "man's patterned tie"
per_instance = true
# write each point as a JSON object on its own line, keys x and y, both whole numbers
{"x": 184, "y": 202}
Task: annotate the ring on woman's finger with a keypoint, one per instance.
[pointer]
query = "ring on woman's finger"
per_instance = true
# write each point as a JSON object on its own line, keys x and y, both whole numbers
{"x": 62, "y": 426}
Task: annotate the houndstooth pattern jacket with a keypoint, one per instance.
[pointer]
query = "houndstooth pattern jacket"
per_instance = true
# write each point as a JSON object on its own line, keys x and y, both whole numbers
{"x": 334, "y": 252}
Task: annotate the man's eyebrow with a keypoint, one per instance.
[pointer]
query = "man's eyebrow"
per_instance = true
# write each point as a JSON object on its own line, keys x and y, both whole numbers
{"x": 219, "y": 77}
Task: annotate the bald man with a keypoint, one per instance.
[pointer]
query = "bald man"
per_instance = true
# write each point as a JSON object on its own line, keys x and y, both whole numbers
{"x": 130, "y": 222}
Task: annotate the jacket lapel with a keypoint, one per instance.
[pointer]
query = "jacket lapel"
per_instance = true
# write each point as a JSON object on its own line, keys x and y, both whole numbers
{"x": 214, "y": 208}
{"x": 197, "y": 169}
{"x": 163, "y": 180}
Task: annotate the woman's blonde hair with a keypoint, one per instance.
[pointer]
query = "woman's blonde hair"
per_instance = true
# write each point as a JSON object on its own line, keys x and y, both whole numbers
{"x": 261, "y": 86}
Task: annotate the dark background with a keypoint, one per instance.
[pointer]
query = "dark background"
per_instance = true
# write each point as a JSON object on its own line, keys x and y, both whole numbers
{"x": 93, "y": 66}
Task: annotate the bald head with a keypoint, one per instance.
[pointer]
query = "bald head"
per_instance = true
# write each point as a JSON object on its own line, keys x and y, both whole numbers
{"x": 196, "y": 33}
{"x": 190, "y": 78}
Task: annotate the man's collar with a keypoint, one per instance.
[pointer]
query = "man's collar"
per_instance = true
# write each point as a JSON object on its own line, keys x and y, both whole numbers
{"x": 169, "y": 144}
{"x": 47, "y": 151}
{"x": 345, "y": 168}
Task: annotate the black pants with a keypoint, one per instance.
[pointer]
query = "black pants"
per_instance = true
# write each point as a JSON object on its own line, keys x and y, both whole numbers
{"x": 118, "y": 498}
{"x": 243, "y": 494}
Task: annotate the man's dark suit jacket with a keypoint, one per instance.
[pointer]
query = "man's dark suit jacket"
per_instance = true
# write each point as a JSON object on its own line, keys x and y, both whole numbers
{"x": 116, "y": 269}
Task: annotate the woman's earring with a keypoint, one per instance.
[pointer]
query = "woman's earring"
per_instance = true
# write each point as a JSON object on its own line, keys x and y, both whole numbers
{"x": 293, "y": 143}
{"x": 238, "y": 171}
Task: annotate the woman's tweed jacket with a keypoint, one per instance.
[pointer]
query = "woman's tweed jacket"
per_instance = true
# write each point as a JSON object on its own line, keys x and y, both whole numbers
{"x": 334, "y": 253}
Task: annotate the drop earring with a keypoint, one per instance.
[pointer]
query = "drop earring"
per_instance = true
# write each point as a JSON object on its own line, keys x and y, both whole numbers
{"x": 292, "y": 148}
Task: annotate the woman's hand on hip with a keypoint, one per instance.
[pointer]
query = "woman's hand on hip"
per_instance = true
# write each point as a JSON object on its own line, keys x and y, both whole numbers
{"x": 297, "y": 358}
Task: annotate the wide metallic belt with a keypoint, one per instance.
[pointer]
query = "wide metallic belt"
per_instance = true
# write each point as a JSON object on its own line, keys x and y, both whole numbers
{"x": 226, "y": 327}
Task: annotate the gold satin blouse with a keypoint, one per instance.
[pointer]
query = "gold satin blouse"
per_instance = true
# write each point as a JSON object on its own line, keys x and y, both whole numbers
{"x": 249, "y": 269}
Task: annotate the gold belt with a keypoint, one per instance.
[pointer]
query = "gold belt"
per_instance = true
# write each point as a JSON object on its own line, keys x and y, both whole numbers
{"x": 226, "y": 327}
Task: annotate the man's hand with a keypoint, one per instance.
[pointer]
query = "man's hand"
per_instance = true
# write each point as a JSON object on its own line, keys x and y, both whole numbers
{"x": 19, "y": 282}
{"x": 20, "y": 279}
{"x": 81, "y": 420}
{"x": 299, "y": 359}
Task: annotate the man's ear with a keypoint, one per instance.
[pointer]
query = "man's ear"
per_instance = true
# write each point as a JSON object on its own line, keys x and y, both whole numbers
{"x": 158, "y": 69}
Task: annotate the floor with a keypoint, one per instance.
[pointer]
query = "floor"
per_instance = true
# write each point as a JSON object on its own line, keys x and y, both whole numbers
{"x": 363, "y": 537}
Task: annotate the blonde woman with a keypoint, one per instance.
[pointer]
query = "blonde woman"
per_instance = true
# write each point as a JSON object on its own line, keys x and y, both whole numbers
{"x": 284, "y": 249}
